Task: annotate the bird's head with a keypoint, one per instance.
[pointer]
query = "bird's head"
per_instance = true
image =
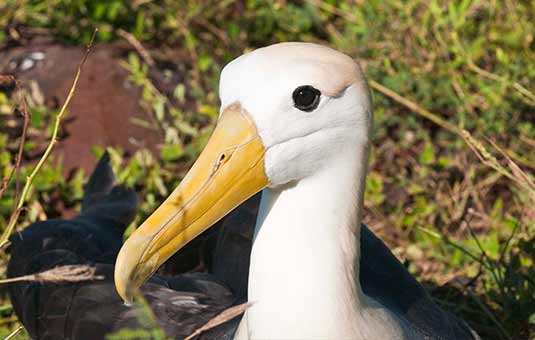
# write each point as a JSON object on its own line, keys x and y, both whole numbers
{"x": 287, "y": 110}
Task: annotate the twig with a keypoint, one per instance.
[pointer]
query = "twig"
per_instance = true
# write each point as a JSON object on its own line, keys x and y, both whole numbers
{"x": 226, "y": 315}
{"x": 516, "y": 174}
{"x": 27, "y": 115}
{"x": 53, "y": 140}
{"x": 69, "y": 273}
{"x": 15, "y": 332}
{"x": 515, "y": 169}
{"x": 519, "y": 88}
{"x": 137, "y": 45}
{"x": 16, "y": 169}
{"x": 477, "y": 147}
{"x": 415, "y": 107}
{"x": 525, "y": 162}
{"x": 484, "y": 156}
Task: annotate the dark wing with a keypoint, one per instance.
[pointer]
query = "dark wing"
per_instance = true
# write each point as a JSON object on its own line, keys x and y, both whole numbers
{"x": 92, "y": 309}
{"x": 231, "y": 252}
{"x": 386, "y": 280}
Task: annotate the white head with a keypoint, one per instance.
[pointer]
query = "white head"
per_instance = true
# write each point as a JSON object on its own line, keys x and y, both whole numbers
{"x": 287, "y": 111}
{"x": 298, "y": 141}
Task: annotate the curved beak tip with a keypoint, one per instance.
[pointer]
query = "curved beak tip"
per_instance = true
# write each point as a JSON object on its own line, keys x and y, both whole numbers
{"x": 129, "y": 264}
{"x": 205, "y": 195}
{"x": 123, "y": 289}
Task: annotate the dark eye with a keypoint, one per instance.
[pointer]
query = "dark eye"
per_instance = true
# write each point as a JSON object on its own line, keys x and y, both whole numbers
{"x": 306, "y": 98}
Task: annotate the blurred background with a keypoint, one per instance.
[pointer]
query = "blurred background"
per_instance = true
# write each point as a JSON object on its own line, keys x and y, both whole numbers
{"x": 450, "y": 187}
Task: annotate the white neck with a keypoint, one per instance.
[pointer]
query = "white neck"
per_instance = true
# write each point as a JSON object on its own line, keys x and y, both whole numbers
{"x": 303, "y": 278}
{"x": 304, "y": 272}
{"x": 303, "y": 257}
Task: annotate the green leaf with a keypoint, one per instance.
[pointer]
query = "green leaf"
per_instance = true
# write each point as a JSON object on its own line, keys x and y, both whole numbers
{"x": 428, "y": 154}
{"x": 171, "y": 152}
{"x": 205, "y": 61}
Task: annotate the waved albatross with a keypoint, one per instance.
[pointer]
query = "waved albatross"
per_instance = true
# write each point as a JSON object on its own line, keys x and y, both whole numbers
{"x": 295, "y": 123}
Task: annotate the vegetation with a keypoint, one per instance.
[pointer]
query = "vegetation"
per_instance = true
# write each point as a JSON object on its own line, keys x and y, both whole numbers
{"x": 450, "y": 187}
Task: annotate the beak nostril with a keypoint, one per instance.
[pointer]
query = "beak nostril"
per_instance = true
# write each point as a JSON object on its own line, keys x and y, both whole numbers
{"x": 222, "y": 159}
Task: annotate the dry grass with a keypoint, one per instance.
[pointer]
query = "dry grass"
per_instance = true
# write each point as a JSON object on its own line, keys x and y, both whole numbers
{"x": 70, "y": 273}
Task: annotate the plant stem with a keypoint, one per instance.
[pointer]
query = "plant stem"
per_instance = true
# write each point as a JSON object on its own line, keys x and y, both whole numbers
{"x": 15, "y": 332}
{"x": 4, "y": 239}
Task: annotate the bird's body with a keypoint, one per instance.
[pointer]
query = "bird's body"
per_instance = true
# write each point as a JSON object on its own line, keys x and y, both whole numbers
{"x": 296, "y": 123}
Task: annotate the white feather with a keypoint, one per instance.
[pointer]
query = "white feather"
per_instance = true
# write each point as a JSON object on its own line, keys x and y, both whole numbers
{"x": 303, "y": 279}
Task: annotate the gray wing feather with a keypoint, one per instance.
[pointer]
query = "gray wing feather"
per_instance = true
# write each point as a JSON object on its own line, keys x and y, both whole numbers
{"x": 386, "y": 280}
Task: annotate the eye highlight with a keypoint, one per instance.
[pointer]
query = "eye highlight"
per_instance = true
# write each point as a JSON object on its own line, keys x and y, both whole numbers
{"x": 306, "y": 98}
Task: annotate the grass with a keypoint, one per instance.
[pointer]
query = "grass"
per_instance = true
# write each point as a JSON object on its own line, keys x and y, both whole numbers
{"x": 453, "y": 156}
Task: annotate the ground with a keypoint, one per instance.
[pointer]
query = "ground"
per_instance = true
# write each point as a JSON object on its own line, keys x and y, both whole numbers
{"x": 450, "y": 187}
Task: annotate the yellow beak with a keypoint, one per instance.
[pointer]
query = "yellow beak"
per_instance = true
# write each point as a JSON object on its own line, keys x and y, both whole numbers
{"x": 229, "y": 171}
